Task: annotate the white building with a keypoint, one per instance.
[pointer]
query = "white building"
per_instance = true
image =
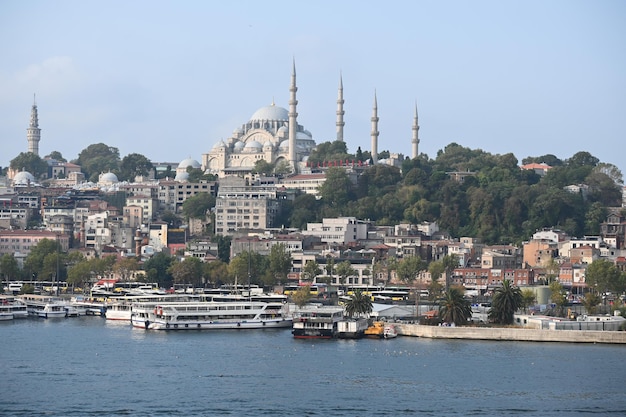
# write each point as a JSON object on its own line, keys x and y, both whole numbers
{"x": 341, "y": 230}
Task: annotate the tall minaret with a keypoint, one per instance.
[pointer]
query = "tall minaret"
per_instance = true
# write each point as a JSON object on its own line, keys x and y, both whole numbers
{"x": 415, "y": 141}
{"x": 33, "y": 133}
{"x": 293, "y": 123}
{"x": 340, "y": 123}
{"x": 375, "y": 131}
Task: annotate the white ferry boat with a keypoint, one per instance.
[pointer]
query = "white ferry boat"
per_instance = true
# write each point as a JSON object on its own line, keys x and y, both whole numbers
{"x": 120, "y": 308}
{"x": 44, "y": 306}
{"x": 12, "y": 308}
{"x": 316, "y": 322}
{"x": 210, "y": 315}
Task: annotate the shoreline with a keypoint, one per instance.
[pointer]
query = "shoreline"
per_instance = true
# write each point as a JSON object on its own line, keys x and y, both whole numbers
{"x": 511, "y": 334}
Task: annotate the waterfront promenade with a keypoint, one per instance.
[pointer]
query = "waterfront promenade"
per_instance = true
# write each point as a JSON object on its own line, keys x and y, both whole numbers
{"x": 511, "y": 333}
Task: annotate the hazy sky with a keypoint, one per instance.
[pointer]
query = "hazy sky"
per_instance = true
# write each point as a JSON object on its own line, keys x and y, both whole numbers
{"x": 169, "y": 79}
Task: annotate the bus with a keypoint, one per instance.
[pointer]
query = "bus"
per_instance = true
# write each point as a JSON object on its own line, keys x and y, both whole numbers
{"x": 314, "y": 289}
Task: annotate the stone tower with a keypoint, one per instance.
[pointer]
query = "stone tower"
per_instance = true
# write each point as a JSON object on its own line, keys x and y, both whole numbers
{"x": 415, "y": 141}
{"x": 33, "y": 133}
{"x": 375, "y": 131}
{"x": 293, "y": 121}
{"x": 340, "y": 123}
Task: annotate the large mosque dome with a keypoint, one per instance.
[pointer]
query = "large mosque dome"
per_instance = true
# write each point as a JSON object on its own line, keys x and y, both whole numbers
{"x": 107, "y": 178}
{"x": 271, "y": 112}
{"x": 189, "y": 162}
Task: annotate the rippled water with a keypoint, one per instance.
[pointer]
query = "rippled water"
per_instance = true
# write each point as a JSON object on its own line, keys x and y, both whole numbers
{"x": 90, "y": 367}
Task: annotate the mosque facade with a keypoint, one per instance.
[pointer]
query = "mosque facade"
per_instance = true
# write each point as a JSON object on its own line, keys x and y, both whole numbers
{"x": 273, "y": 135}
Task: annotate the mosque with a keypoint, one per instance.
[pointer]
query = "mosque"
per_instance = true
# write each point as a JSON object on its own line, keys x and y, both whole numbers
{"x": 273, "y": 134}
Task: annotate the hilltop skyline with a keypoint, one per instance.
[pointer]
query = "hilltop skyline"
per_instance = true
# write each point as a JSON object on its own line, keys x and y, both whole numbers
{"x": 169, "y": 81}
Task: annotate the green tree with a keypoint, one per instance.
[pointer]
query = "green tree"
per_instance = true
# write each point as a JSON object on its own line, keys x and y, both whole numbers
{"x": 9, "y": 268}
{"x": 591, "y": 302}
{"x": 279, "y": 262}
{"x": 263, "y": 167}
{"x": 455, "y": 308}
{"x": 216, "y": 272}
{"x": 28, "y": 161}
{"x": 528, "y": 299}
{"x": 557, "y": 295}
{"x": 157, "y": 269}
{"x": 125, "y": 267}
{"x": 248, "y": 266}
{"x": 409, "y": 267}
{"x": 133, "y": 165}
{"x": 98, "y": 158}
{"x": 188, "y": 271}
{"x": 506, "y": 300}
{"x": 310, "y": 271}
{"x": 302, "y": 295}
{"x": 345, "y": 270}
{"x": 359, "y": 304}
{"x": 337, "y": 189}
{"x": 56, "y": 155}
{"x": 198, "y": 206}
{"x": 35, "y": 261}
{"x": 79, "y": 273}
{"x": 603, "y": 276}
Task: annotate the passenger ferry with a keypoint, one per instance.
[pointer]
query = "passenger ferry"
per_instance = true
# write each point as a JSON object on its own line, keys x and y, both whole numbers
{"x": 12, "y": 308}
{"x": 120, "y": 308}
{"x": 316, "y": 322}
{"x": 210, "y": 315}
{"x": 44, "y": 306}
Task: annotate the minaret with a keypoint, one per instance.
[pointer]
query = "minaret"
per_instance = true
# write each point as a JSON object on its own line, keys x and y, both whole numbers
{"x": 33, "y": 133}
{"x": 415, "y": 141}
{"x": 340, "y": 123}
{"x": 293, "y": 123}
{"x": 375, "y": 131}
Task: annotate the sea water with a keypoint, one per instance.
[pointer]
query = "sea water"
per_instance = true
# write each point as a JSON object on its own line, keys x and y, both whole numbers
{"x": 92, "y": 367}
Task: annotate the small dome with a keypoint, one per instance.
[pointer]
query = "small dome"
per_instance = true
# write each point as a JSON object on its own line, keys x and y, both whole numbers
{"x": 189, "y": 163}
{"x": 23, "y": 178}
{"x": 282, "y": 130}
{"x": 253, "y": 144}
{"x": 268, "y": 144}
{"x": 182, "y": 177}
{"x": 284, "y": 144}
{"x": 239, "y": 145}
{"x": 303, "y": 135}
{"x": 107, "y": 177}
{"x": 271, "y": 112}
{"x": 219, "y": 144}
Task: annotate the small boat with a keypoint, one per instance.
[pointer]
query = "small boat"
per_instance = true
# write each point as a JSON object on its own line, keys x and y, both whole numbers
{"x": 390, "y": 331}
{"x": 316, "y": 322}
{"x": 193, "y": 315}
{"x": 376, "y": 330}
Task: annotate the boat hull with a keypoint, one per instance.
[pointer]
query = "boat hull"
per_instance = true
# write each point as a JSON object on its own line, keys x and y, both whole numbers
{"x": 211, "y": 325}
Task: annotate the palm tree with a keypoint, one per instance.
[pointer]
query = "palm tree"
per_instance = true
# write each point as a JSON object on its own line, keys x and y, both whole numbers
{"x": 507, "y": 299}
{"x": 455, "y": 308}
{"x": 359, "y": 304}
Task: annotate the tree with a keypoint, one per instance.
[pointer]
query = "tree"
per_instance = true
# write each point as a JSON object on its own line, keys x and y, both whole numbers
{"x": 188, "y": 271}
{"x": 215, "y": 272}
{"x": 223, "y": 247}
{"x": 125, "y": 267}
{"x": 557, "y": 295}
{"x": 528, "y": 299}
{"x": 409, "y": 267}
{"x": 336, "y": 191}
{"x": 171, "y": 219}
{"x": 310, "y": 271}
{"x": 359, "y": 304}
{"x": 345, "y": 270}
{"x": 280, "y": 262}
{"x": 603, "y": 276}
{"x": 248, "y": 266}
{"x": 98, "y": 158}
{"x": 302, "y": 295}
{"x": 8, "y": 267}
{"x": 455, "y": 308}
{"x": 506, "y": 300}
{"x": 198, "y": 206}
{"x": 134, "y": 165}
{"x": 56, "y": 155}
{"x": 263, "y": 167}
{"x": 28, "y": 161}
{"x": 157, "y": 269}
{"x": 35, "y": 261}
{"x": 591, "y": 302}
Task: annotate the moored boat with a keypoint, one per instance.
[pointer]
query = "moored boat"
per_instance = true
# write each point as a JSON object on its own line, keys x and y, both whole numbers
{"x": 44, "y": 306}
{"x": 390, "y": 331}
{"x": 12, "y": 308}
{"x": 352, "y": 328}
{"x": 209, "y": 315}
{"x": 376, "y": 330}
{"x": 316, "y": 322}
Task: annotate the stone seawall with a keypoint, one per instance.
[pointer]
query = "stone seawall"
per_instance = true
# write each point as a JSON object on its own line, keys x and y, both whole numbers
{"x": 520, "y": 334}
